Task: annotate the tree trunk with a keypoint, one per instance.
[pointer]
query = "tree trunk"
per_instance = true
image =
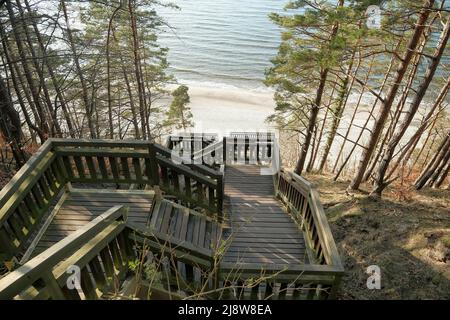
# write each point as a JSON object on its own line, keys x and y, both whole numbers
{"x": 440, "y": 169}
{"x": 311, "y": 123}
{"x": 137, "y": 71}
{"x": 434, "y": 163}
{"x": 442, "y": 176}
{"x": 108, "y": 72}
{"x": 316, "y": 107}
{"x": 355, "y": 111}
{"x": 10, "y": 125}
{"x": 88, "y": 104}
{"x": 380, "y": 184}
{"x": 52, "y": 75}
{"x": 388, "y": 101}
{"x": 56, "y": 129}
{"x": 27, "y": 72}
{"x": 414, "y": 140}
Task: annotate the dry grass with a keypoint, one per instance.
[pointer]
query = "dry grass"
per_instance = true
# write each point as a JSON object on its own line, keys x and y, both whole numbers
{"x": 407, "y": 234}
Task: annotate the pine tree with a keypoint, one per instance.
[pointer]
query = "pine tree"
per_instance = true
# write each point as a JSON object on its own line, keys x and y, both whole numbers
{"x": 314, "y": 42}
{"x": 179, "y": 114}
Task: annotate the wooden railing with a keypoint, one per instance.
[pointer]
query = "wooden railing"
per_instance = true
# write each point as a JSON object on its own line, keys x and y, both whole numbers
{"x": 31, "y": 192}
{"x": 102, "y": 242}
{"x": 189, "y": 143}
{"x": 279, "y": 282}
{"x": 26, "y": 198}
{"x": 302, "y": 201}
{"x": 236, "y": 148}
{"x": 249, "y": 148}
{"x": 97, "y": 161}
{"x": 211, "y": 156}
{"x": 101, "y": 253}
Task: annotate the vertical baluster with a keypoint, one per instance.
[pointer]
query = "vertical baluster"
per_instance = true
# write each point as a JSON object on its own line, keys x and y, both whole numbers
{"x": 87, "y": 285}
{"x": 16, "y": 227}
{"x": 187, "y": 185}
{"x": 60, "y": 180}
{"x": 254, "y": 294}
{"x": 51, "y": 180}
{"x": 282, "y": 291}
{"x": 97, "y": 272}
{"x": 80, "y": 167}
{"x": 116, "y": 255}
{"x": 200, "y": 193}
{"x": 211, "y": 198}
{"x": 125, "y": 168}
{"x": 31, "y": 205}
{"x": 38, "y": 198}
{"x": 6, "y": 243}
{"x": 148, "y": 171}
{"x": 165, "y": 177}
{"x": 68, "y": 167}
{"x": 107, "y": 263}
{"x": 297, "y": 291}
{"x": 269, "y": 290}
{"x": 44, "y": 186}
{"x": 311, "y": 293}
{"x": 152, "y": 165}
{"x": 137, "y": 170}
{"x": 114, "y": 168}
{"x": 175, "y": 181}
{"x": 91, "y": 167}
{"x": 103, "y": 169}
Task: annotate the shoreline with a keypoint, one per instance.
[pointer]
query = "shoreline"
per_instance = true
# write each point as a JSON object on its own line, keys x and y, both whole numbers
{"x": 224, "y": 110}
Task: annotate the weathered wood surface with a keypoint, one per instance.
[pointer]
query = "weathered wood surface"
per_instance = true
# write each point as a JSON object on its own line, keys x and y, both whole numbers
{"x": 82, "y": 206}
{"x": 261, "y": 231}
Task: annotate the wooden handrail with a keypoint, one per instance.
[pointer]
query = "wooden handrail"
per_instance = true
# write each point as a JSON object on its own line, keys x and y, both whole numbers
{"x": 41, "y": 266}
{"x": 29, "y": 194}
{"x": 311, "y": 203}
{"x": 88, "y": 246}
{"x": 120, "y": 162}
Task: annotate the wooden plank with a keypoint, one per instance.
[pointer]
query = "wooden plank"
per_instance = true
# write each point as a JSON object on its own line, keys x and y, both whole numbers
{"x": 196, "y": 230}
{"x": 156, "y": 209}
{"x": 201, "y": 233}
{"x": 161, "y": 211}
{"x": 184, "y": 225}
{"x": 166, "y": 219}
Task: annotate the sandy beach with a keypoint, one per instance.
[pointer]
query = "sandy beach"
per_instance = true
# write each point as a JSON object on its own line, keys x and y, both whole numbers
{"x": 224, "y": 110}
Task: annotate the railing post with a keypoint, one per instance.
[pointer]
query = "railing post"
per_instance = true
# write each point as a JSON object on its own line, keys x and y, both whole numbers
{"x": 224, "y": 152}
{"x": 153, "y": 165}
{"x": 220, "y": 193}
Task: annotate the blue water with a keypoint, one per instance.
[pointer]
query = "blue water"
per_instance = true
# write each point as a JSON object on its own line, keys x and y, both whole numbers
{"x": 221, "y": 42}
{"x": 227, "y": 42}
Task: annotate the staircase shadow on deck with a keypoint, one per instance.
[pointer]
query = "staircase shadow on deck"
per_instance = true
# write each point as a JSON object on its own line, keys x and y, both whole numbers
{"x": 260, "y": 229}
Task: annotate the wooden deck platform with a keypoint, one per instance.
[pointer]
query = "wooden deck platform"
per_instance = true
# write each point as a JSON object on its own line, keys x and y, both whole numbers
{"x": 79, "y": 206}
{"x": 260, "y": 229}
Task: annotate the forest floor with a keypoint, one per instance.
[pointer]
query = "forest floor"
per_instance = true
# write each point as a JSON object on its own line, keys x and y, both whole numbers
{"x": 406, "y": 234}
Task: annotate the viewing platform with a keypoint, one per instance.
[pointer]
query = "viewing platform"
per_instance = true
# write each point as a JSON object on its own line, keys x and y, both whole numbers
{"x": 220, "y": 215}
